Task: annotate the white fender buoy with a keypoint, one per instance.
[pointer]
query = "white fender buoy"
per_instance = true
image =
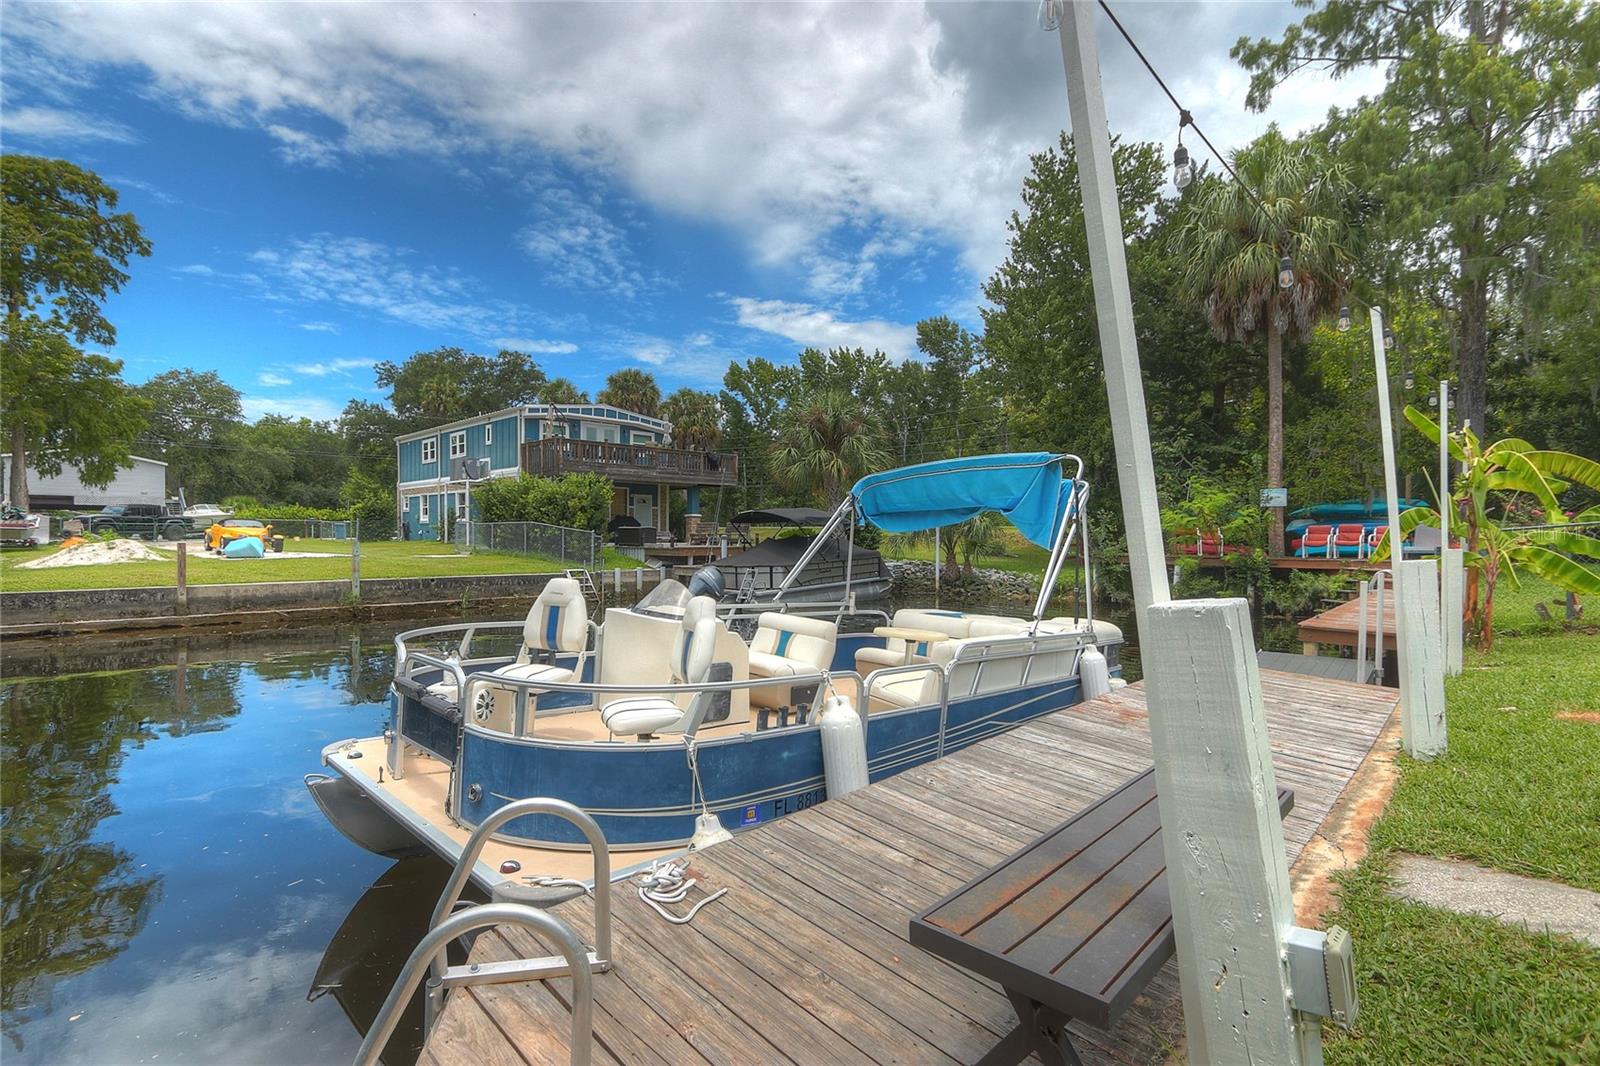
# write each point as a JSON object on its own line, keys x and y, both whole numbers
{"x": 844, "y": 746}
{"x": 1118, "y": 683}
{"x": 1094, "y": 676}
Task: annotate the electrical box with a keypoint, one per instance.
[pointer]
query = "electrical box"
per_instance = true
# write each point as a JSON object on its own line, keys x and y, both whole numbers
{"x": 1322, "y": 973}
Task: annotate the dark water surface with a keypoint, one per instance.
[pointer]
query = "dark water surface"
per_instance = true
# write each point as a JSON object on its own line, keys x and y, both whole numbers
{"x": 170, "y": 891}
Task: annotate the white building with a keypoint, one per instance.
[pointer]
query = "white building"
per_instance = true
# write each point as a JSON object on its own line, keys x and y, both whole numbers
{"x": 144, "y": 482}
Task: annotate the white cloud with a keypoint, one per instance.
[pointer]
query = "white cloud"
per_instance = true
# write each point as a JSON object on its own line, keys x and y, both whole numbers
{"x": 815, "y": 327}
{"x": 199, "y": 270}
{"x": 654, "y": 353}
{"x": 819, "y": 134}
{"x": 60, "y": 124}
{"x": 320, "y": 327}
{"x": 370, "y": 276}
{"x": 332, "y": 366}
{"x": 272, "y": 380}
{"x": 534, "y": 346}
{"x": 578, "y": 246}
{"x": 316, "y": 408}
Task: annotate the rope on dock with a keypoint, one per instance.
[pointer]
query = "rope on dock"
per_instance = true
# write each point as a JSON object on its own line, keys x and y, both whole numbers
{"x": 665, "y": 883}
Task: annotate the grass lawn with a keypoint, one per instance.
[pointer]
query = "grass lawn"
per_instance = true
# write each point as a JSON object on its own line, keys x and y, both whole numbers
{"x": 1519, "y": 790}
{"x": 379, "y": 559}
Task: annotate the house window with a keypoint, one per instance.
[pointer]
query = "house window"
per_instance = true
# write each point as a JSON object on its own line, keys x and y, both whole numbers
{"x": 458, "y": 444}
{"x": 488, "y": 434}
{"x": 423, "y": 513}
{"x": 430, "y": 452}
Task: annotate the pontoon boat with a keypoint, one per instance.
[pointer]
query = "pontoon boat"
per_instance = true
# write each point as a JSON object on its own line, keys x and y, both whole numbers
{"x": 670, "y": 730}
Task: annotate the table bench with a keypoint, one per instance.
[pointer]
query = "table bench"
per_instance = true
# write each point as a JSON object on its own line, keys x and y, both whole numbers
{"x": 1074, "y": 925}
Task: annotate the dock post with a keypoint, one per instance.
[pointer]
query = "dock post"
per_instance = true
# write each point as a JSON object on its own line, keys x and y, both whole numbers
{"x": 1227, "y": 870}
{"x": 183, "y": 577}
{"x": 355, "y": 569}
{"x": 1421, "y": 649}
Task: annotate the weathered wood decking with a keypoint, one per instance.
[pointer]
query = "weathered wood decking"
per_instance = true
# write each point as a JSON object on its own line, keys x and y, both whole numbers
{"x": 1341, "y": 625}
{"x": 806, "y": 959}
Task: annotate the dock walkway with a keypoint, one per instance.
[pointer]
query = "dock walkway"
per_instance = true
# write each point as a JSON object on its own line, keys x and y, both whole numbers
{"x": 1341, "y": 625}
{"x": 806, "y": 959}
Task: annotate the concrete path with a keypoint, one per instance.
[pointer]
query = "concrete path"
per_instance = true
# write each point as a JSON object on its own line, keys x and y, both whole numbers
{"x": 1526, "y": 901}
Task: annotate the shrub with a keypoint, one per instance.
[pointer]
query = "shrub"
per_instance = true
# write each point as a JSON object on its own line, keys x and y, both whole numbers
{"x": 580, "y": 501}
{"x": 372, "y": 505}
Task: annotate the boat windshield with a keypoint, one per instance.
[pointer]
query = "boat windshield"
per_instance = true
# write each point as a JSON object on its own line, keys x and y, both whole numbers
{"x": 668, "y": 598}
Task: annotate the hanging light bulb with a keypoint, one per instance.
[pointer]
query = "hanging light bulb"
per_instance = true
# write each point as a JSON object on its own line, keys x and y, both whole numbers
{"x": 1344, "y": 319}
{"x": 1182, "y": 169}
{"x": 1411, "y": 380}
{"x": 1388, "y": 339}
{"x": 1049, "y": 15}
{"x": 1286, "y": 273}
{"x": 1433, "y": 399}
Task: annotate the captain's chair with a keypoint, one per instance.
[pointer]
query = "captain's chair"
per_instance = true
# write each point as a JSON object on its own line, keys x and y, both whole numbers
{"x": 786, "y": 645}
{"x": 692, "y": 652}
{"x": 558, "y": 623}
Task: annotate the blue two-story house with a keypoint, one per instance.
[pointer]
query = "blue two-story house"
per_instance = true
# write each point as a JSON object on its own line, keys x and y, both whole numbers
{"x": 548, "y": 440}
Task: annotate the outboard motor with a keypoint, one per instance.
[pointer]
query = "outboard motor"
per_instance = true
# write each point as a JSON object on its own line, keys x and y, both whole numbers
{"x": 708, "y": 581}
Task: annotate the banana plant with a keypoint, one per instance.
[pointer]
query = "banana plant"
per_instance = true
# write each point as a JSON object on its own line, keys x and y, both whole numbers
{"x": 1510, "y": 466}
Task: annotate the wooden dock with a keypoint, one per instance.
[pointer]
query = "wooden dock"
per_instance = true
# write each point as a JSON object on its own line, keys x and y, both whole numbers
{"x": 1341, "y": 625}
{"x": 806, "y": 959}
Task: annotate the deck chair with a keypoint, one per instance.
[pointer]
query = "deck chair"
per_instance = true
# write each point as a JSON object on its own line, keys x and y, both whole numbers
{"x": 1347, "y": 541}
{"x": 1316, "y": 541}
{"x": 558, "y": 623}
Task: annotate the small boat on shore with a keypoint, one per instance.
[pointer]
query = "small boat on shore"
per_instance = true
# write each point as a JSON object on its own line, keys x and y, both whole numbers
{"x": 671, "y": 730}
{"x": 761, "y": 568}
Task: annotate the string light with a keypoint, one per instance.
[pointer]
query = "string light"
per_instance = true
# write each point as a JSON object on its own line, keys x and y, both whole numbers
{"x": 1182, "y": 168}
{"x": 1344, "y": 319}
{"x": 1049, "y": 16}
{"x": 1286, "y": 273}
{"x": 1388, "y": 338}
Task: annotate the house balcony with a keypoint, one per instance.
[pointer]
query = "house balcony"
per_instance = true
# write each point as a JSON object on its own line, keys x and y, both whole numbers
{"x": 632, "y": 463}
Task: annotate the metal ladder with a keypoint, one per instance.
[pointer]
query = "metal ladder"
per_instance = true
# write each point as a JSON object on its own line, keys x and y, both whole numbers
{"x": 585, "y": 584}
{"x": 575, "y": 960}
{"x": 747, "y": 587}
{"x": 1374, "y": 675}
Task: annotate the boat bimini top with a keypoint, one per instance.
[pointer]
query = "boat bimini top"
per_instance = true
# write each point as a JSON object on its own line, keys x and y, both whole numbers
{"x": 1043, "y": 494}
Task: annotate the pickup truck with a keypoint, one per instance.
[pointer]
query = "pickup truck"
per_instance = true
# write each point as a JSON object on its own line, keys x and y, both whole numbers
{"x": 148, "y": 520}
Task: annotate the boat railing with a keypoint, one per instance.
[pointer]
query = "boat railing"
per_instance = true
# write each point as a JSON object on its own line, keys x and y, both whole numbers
{"x": 573, "y": 959}
{"x": 524, "y": 687}
{"x": 405, "y": 657}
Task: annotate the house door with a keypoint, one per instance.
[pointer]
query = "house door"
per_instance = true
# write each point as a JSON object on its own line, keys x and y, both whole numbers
{"x": 642, "y": 507}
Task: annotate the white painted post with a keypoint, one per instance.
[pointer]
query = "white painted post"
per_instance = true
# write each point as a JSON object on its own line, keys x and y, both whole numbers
{"x": 355, "y": 569}
{"x": 1452, "y": 561}
{"x": 1416, "y": 709}
{"x": 1227, "y": 869}
{"x": 1113, "y": 304}
{"x": 1227, "y": 874}
{"x": 1422, "y": 723}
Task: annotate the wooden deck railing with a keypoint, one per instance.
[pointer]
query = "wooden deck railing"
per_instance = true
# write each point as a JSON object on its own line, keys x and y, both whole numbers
{"x": 629, "y": 462}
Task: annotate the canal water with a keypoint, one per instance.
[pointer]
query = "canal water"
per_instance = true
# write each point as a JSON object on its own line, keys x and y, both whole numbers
{"x": 170, "y": 891}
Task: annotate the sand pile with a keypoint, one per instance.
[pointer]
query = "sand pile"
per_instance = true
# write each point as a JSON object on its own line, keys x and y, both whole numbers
{"x": 95, "y": 552}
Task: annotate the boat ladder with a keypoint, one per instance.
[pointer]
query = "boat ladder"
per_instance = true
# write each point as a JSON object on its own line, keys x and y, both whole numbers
{"x": 747, "y": 587}
{"x": 1372, "y": 675}
{"x": 573, "y": 959}
{"x": 585, "y": 584}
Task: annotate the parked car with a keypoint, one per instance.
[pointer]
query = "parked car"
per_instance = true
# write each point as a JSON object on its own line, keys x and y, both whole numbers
{"x": 230, "y": 529}
{"x": 149, "y": 520}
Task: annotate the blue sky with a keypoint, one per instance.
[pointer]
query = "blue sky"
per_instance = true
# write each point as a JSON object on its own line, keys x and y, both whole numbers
{"x": 602, "y": 185}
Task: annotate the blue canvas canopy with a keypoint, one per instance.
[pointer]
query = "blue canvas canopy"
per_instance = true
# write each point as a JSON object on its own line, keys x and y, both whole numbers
{"x": 1028, "y": 488}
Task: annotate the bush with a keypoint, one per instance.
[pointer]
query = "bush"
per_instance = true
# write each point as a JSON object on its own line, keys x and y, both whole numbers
{"x": 579, "y": 501}
{"x": 372, "y": 505}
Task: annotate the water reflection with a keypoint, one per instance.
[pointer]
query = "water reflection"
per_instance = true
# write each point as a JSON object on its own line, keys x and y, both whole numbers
{"x": 168, "y": 887}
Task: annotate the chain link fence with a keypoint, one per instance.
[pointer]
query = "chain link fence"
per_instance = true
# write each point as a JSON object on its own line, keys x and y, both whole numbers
{"x": 573, "y": 547}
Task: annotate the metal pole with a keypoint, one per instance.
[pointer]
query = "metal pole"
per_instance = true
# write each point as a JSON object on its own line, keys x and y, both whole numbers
{"x": 1113, "y": 301}
{"x": 1444, "y": 459}
{"x": 183, "y": 577}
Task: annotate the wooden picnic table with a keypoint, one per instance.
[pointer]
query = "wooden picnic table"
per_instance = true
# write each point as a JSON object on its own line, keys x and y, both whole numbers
{"x": 1074, "y": 925}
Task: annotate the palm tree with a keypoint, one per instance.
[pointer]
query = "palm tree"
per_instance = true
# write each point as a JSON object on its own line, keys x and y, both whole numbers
{"x": 1234, "y": 246}
{"x": 441, "y": 398}
{"x": 562, "y": 390}
{"x": 1493, "y": 475}
{"x": 696, "y": 419}
{"x": 825, "y": 442}
{"x": 632, "y": 389}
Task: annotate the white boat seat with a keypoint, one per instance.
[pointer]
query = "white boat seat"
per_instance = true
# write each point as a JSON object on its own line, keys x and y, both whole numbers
{"x": 910, "y": 689}
{"x": 644, "y": 716}
{"x": 446, "y": 689}
{"x": 786, "y": 645}
{"x": 640, "y": 715}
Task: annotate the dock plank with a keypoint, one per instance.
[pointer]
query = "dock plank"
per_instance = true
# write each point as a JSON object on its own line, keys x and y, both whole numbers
{"x": 806, "y": 959}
